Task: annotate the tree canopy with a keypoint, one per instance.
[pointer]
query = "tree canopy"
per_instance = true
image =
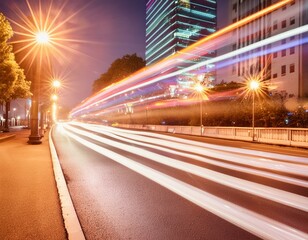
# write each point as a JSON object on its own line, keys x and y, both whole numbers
{"x": 13, "y": 83}
{"x": 119, "y": 69}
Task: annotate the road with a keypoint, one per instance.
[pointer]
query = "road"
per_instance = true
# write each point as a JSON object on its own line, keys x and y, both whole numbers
{"x": 143, "y": 185}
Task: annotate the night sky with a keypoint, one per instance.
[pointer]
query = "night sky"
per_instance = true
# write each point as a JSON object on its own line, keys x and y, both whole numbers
{"x": 108, "y": 29}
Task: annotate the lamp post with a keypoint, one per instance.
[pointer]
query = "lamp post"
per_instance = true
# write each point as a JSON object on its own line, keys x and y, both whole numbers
{"x": 41, "y": 39}
{"x": 254, "y": 86}
{"x": 54, "y": 112}
{"x": 56, "y": 85}
{"x": 14, "y": 116}
{"x": 199, "y": 88}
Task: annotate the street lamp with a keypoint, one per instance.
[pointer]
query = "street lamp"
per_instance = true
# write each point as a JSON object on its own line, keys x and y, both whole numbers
{"x": 253, "y": 86}
{"x": 56, "y": 83}
{"x": 199, "y": 89}
{"x": 54, "y": 97}
{"x": 14, "y": 116}
{"x": 42, "y": 32}
{"x": 54, "y": 112}
{"x": 41, "y": 39}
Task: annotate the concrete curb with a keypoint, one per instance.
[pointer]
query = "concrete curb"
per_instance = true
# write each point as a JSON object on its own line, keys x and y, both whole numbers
{"x": 9, "y": 137}
{"x": 71, "y": 222}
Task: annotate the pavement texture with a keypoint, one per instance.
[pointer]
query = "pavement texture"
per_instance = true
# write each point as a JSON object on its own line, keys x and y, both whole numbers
{"x": 34, "y": 200}
{"x": 29, "y": 200}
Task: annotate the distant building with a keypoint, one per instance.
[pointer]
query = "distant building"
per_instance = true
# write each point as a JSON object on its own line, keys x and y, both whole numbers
{"x": 284, "y": 62}
{"x": 172, "y": 25}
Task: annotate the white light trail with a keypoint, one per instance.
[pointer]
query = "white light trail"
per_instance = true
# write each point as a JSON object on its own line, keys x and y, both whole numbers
{"x": 239, "y": 157}
{"x": 104, "y": 97}
{"x": 152, "y": 143}
{"x": 257, "y": 224}
{"x": 280, "y": 196}
{"x": 268, "y": 155}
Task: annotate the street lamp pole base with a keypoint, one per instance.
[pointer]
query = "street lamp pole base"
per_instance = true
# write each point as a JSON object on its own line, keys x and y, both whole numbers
{"x": 34, "y": 140}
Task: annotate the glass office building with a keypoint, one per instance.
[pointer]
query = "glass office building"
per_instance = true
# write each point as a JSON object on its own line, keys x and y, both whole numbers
{"x": 172, "y": 25}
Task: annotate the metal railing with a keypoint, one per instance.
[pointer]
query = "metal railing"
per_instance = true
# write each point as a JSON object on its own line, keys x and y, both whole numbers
{"x": 282, "y": 136}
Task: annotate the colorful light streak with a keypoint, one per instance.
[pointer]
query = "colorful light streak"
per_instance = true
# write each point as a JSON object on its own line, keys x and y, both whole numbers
{"x": 262, "y": 226}
{"x": 119, "y": 89}
{"x": 168, "y": 68}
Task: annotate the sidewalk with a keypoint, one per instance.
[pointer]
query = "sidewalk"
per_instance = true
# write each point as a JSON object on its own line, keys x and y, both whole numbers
{"x": 29, "y": 200}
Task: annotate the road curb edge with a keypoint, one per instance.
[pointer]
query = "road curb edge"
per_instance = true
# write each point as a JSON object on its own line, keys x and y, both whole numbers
{"x": 71, "y": 221}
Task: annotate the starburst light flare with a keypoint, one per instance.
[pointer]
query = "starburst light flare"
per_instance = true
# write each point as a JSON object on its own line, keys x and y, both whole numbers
{"x": 42, "y": 31}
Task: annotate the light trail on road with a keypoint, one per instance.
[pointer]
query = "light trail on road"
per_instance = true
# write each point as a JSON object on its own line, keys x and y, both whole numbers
{"x": 282, "y": 197}
{"x": 156, "y": 147}
{"x": 131, "y": 137}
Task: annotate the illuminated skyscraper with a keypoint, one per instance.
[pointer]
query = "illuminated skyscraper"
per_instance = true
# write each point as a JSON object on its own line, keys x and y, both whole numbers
{"x": 172, "y": 25}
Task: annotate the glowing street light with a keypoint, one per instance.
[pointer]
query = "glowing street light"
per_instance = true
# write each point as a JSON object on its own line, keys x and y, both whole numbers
{"x": 42, "y": 37}
{"x": 54, "y": 97}
{"x": 44, "y": 30}
{"x": 254, "y": 86}
{"x": 56, "y": 83}
{"x": 14, "y": 115}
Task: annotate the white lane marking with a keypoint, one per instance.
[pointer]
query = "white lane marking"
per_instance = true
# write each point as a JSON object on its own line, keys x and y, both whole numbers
{"x": 264, "y": 163}
{"x": 141, "y": 139}
{"x": 277, "y": 195}
{"x": 250, "y": 221}
{"x": 280, "y": 157}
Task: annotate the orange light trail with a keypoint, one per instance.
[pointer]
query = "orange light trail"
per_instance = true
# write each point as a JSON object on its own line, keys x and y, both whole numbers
{"x": 143, "y": 77}
{"x": 159, "y": 66}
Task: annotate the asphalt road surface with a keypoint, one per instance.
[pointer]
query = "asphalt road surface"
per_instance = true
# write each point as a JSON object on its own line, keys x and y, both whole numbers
{"x": 143, "y": 185}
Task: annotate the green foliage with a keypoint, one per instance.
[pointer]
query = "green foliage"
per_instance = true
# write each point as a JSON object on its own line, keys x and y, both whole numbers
{"x": 12, "y": 79}
{"x": 119, "y": 69}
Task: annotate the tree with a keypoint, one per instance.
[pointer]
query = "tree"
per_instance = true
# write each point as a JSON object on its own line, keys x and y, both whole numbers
{"x": 119, "y": 69}
{"x": 13, "y": 84}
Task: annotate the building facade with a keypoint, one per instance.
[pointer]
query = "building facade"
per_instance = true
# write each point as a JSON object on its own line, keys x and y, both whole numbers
{"x": 172, "y": 25}
{"x": 282, "y": 62}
